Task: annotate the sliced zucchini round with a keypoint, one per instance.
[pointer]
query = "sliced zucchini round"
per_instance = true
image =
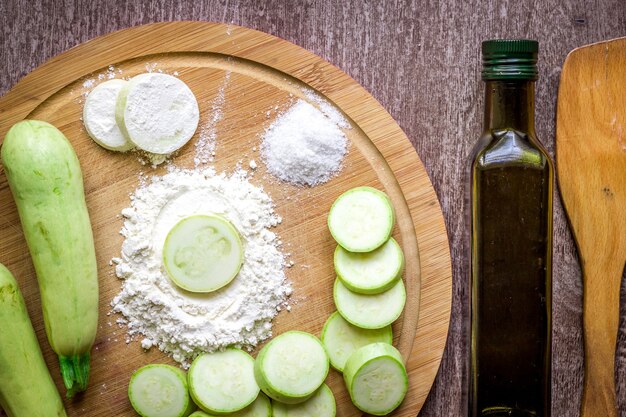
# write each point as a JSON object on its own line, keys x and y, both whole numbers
{"x": 99, "y": 116}
{"x": 223, "y": 382}
{"x": 157, "y": 112}
{"x": 321, "y": 404}
{"x": 200, "y": 414}
{"x": 341, "y": 339}
{"x": 202, "y": 253}
{"x": 291, "y": 367}
{"x": 370, "y": 311}
{"x": 376, "y": 379}
{"x": 370, "y": 272}
{"x": 261, "y": 407}
{"x": 160, "y": 391}
{"x": 361, "y": 219}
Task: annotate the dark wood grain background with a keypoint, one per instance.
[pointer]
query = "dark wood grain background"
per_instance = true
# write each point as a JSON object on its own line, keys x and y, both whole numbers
{"x": 421, "y": 60}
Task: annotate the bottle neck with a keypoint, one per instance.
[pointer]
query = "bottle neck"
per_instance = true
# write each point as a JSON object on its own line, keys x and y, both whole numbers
{"x": 510, "y": 104}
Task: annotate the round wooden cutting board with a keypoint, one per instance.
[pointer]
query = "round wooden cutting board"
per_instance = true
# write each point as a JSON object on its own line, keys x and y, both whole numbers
{"x": 259, "y": 76}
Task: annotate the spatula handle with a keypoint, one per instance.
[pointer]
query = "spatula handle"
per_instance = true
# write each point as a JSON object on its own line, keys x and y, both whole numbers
{"x": 601, "y": 283}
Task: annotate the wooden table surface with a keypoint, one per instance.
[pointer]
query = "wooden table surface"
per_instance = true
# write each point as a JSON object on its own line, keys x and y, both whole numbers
{"x": 421, "y": 60}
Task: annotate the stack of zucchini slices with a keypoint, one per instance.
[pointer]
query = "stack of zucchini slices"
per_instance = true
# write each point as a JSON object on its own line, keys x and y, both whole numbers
{"x": 369, "y": 295}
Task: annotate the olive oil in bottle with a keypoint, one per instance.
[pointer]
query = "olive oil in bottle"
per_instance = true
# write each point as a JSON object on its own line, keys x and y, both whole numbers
{"x": 511, "y": 183}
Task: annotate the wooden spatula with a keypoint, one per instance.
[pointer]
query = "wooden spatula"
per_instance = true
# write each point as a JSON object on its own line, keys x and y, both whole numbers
{"x": 591, "y": 167}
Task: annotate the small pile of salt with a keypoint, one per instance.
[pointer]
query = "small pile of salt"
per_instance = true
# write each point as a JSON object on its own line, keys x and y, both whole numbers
{"x": 304, "y": 146}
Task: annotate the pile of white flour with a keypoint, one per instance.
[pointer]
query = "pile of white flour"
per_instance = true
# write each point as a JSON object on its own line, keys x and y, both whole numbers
{"x": 305, "y": 146}
{"x": 185, "y": 324}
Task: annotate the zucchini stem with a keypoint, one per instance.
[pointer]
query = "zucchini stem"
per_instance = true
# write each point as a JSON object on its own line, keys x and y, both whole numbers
{"x": 75, "y": 373}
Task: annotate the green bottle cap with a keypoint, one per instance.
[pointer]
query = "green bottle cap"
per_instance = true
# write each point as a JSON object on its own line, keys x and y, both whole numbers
{"x": 510, "y": 59}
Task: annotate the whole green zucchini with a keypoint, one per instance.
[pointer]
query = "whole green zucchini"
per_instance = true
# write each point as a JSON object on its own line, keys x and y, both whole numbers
{"x": 47, "y": 185}
{"x": 26, "y": 388}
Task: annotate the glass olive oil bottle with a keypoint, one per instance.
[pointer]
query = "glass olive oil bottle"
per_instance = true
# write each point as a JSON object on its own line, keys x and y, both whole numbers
{"x": 511, "y": 243}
